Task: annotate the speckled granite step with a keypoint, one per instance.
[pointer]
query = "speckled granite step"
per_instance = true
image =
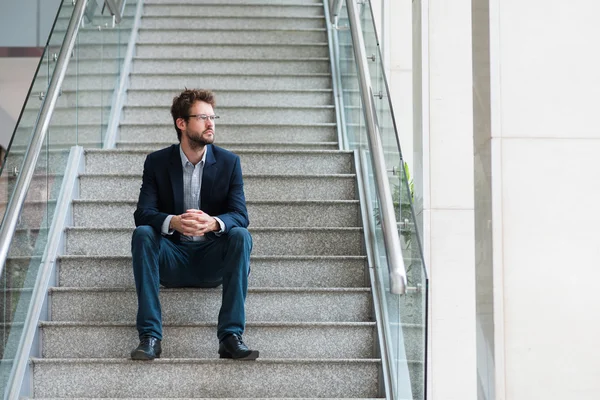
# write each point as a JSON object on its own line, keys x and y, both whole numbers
{"x": 238, "y": 98}
{"x": 273, "y": 51}
{"x": 198, "y": 340}
{"x": 205, "y": 378}
{"x": 181, "y": 306}
{"x": 266, "y": 271}
{"x": 225, "y": 36}
{"x": 266, "y": 241}
{"x": 342, "y": 213}
{"x": 236, "y": 133}
{"x": 234, "y": 23}
{"x": 258, "y": 66}
{"x": 253, "y": 162}
{"x": 256, "y": 187}
{"x": 247, "y": 115}
{"x": 208, "y": 10}
{"x": 176, "y": 82}
{"x": 236, "y": 146}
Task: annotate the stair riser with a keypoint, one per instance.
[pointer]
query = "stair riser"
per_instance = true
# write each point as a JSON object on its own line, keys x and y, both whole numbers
{"x": 231, "y": 51}
{"x": 231, "y": 37}
{"x": 206, "y": 380}
{"x": 200, "y": 342}
{"x": 254, "y": 163}
{"x": 242, "y": 133}
{"x": 328, "y": 242}
{"x": 261, "y": 215}
{"x": 264, "y": 273}
{"x": 235, "y": 147}
{"x": 209, "y": 11}
{"x": 239, "y": 115}
{"x": 231, "y": 67}
{"x": 220, "y": 83}
{"x": 247, "y": 23}
{"x": 255, "y": 188}
{"x": 202, "y": 305}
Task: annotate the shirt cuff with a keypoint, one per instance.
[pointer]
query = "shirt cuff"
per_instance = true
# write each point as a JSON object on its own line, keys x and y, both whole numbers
{"x": 165, "y": 226}
{"x": 222, "y": 225}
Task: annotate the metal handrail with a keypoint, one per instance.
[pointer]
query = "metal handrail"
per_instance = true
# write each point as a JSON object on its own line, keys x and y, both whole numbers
{"x": 334, "y": 11}
{"x": 15, "y": 205}
{"x": 382, "y": 186}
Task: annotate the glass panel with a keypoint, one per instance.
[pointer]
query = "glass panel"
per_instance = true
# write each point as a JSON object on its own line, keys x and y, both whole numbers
{"x": 80, "y": 117}
{"x": 405, "y": 315}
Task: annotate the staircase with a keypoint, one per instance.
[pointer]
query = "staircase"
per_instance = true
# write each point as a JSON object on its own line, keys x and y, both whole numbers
{"x": 309, "y": 305}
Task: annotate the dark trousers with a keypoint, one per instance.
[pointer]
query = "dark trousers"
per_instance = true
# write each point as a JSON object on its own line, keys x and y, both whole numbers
{"x": 217, "y": 260}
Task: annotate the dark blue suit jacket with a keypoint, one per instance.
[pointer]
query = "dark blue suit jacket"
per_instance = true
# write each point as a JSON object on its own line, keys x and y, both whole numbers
{"x": 221, "y": 195}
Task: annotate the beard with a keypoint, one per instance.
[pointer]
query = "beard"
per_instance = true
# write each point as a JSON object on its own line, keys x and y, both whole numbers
{"x": 198, "y": 140}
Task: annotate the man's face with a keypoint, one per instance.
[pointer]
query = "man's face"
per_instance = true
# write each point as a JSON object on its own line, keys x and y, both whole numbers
{"x": 199, "y": 132}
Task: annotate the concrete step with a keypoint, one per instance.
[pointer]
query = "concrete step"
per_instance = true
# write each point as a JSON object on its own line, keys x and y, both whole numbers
{"x": 253, "y": 161}
{"x": 236, "y": 147}
{"x": 273, "y": 340}
{"x": 224, "y": 51}
{"x": 237, "y": 67}
{"x": 266, "y": 241}
{"x": 181, "y": 306}
{"x": 256, "y": 187}
{"x": 267, "y": 271}
{"x": 225, "y": 36}
{"x": 205, "y": 378}
{"x": 208, "y": 10}
{"x": 230, "y": 82}
{"x": 233, "y": 23}
{"x": 247, "y": 115}
{"x": 102, "y": 214}
{"x": 258, "y": 132}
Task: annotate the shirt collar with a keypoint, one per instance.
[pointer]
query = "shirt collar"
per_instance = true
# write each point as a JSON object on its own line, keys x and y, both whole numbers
{"x": 184, "y": 159}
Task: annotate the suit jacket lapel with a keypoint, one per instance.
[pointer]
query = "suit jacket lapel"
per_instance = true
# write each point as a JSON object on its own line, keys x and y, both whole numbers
{"x": 176, "y": 174}
{"x": 208, "y": 176}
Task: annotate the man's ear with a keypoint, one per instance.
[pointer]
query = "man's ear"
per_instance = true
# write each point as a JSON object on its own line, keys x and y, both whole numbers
{"x": 181, "y": 123}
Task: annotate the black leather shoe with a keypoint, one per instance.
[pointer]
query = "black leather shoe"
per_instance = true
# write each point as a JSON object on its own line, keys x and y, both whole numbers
{"x": 148, "y": 349}
{"x": 233, "y": 347}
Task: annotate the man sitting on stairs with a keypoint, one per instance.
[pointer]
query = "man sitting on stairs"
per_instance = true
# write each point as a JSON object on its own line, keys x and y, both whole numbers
{"x": 191, "y": 222}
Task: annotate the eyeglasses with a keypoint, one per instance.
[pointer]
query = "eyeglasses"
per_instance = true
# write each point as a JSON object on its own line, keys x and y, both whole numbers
{"x": 203, "y": 117}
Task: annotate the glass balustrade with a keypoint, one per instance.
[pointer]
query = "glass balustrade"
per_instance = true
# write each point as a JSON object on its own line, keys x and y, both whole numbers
{"x": 80, "y": 117}
{"x": 405, "y": 315}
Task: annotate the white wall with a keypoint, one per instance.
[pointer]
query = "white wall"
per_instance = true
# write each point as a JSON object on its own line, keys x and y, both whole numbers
{"x": 444, "y": 180}
{"x": 545, "y": 141}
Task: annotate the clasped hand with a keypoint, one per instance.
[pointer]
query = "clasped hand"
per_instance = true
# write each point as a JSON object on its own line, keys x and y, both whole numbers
{"x": 194, "y": 223}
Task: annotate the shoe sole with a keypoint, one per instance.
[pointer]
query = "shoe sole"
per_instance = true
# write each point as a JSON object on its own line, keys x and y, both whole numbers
{"x": 250, "y": 357}
{"x": 141, "y": 356}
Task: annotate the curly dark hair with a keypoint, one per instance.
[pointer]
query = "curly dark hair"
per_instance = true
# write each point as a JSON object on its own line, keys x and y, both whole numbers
{"x": 186, "y": 99}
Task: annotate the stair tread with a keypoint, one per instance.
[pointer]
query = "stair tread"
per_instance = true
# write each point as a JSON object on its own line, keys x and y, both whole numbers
{"x": 206, "y": 361}
{"x": 211, "y": 324}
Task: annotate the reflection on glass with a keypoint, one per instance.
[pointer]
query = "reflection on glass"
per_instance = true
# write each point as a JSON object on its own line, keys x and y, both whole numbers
{"x": 405, "y": 315}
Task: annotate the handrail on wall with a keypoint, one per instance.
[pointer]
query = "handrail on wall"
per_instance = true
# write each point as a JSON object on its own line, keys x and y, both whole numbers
{"x": 382, "y": 186}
